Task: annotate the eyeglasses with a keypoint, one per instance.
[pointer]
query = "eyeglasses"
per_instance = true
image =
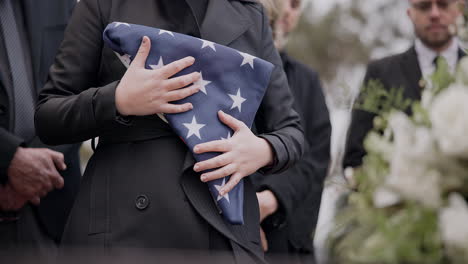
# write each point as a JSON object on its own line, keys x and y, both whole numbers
{"x": 426, "y": 6}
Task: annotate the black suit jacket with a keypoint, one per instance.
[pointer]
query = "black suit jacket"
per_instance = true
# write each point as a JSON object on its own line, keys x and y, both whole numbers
{"x": 401, "y": 70}
{"x": 44, "y": 24}
{"x": 145, "y": 158}
{"x": 299, "y": 189}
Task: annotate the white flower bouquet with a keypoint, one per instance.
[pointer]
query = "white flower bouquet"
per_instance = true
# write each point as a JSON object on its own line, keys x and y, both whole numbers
{"x": 409, "y": 200}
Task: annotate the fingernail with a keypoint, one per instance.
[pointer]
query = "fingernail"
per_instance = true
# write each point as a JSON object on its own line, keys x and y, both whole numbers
{"x": 145, "y": 40}
{"x": 196, "y": 149}
{"x": 191, "y": 59}
{"x": 203, "y": 178}
{"x": 196, "y": 167}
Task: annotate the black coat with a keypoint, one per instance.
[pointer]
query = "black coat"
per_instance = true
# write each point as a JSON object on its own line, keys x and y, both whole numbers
{"x": 299, "y": 189}
{"x": 44, "y": 25}
{"x": 139, "y": 189}
{"x": 401, "y": 70}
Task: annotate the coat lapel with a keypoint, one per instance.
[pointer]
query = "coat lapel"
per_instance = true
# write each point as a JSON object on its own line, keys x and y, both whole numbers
{"x": 223, "y": 23}
{"x": 412, "y": 72}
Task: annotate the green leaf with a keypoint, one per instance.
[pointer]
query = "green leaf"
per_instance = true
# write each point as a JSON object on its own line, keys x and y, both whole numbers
{"x": 374, "y": 98}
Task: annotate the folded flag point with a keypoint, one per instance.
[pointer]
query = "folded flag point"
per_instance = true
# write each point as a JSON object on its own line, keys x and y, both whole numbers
{"x": 232, "y": 81}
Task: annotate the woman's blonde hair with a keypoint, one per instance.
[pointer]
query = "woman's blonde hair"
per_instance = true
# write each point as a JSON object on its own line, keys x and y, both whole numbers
{"x": 274, "y": 11}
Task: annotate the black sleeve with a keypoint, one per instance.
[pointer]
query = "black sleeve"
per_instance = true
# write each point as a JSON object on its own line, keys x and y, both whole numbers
{"x": 8, "y": 145}
{"x": 276, "y": 121}
{"x": 293, "y": 186}
{"x": 72, "y": 107}
{"x": 361, "y": 124}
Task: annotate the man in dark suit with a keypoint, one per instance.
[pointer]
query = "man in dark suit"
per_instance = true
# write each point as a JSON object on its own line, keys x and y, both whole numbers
{"x": 30, "y": 171}
{"x": 290, "y": 201}
{"x": 434, "y": 24}
{"x": 141, "y": 188}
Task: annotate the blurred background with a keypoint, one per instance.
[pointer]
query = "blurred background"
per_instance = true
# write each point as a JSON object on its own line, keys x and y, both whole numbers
{"x": 338, "y": 38}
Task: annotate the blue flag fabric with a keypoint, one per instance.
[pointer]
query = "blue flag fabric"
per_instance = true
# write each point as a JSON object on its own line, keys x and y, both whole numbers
{"x": 231, "y": 81}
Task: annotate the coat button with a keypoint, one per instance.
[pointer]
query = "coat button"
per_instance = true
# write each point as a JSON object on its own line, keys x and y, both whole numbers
{"x": 142, "y": 202}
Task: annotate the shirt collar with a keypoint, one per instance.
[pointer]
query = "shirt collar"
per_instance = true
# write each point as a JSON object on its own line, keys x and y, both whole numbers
{"x": 426, "y": 56}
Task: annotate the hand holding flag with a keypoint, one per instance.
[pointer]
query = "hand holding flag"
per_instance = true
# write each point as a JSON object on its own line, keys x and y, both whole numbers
{"x": 155, "y": 92}
{"x": 242, "y": 154}
{"x": 190, "y": 80}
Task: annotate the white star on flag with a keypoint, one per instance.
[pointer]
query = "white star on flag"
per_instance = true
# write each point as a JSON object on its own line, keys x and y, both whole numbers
{"x": 207, "y": 43}
{"x": 237, "y": 100}
{"x": 228, "y": 136}
{"x": 194, "y": 128}
{"x": 162, "y": 31}
{"x": 247, "y": 59}
{"x": 159, "y": 65}
{"x": 202, "y": 83}
{"x": 218, "y": 188}
{"x": 120, "y": 23}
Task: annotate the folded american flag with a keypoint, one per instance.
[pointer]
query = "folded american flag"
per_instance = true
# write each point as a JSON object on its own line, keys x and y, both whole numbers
{"x": 231, "y": 81}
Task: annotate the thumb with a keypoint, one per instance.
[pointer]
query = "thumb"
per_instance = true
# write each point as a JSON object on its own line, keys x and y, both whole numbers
{"x": 230, "y": 121}
{"x": 143, "y": 52}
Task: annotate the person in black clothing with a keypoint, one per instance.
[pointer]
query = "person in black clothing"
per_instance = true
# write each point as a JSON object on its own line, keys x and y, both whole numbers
{"x": 38, "y": 183}
{"x": 434, "y": 25}
{"x": 141, "y": 188}
{"x": 290, "y": 201}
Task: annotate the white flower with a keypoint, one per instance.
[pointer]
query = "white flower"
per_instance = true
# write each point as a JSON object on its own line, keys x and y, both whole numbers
{"x": 412, "y": 141}
{"x": 411, "y": 174}
{"x": 449, "y": 117}
{"x": 453, "y": 221}
{"x": 426, "y": 98}
{"x": 375, "y": 143}
{"x": 414, "y": 181}
{"x": 384, "y": 197}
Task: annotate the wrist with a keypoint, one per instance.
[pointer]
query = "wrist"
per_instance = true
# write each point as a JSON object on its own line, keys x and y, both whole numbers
{"x": 267, "y": 152}
{"x": 120, "y": 102}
